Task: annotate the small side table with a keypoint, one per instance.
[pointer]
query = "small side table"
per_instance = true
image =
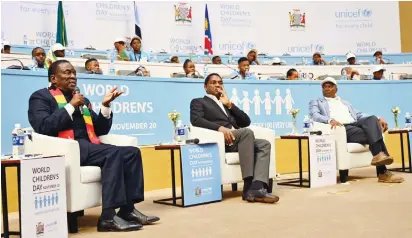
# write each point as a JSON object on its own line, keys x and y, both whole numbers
{"x": 173, "y": 199}
{"x": 4, "y": 164}
{"x": 401, "y": 132}
{"x": 299, "y": 182}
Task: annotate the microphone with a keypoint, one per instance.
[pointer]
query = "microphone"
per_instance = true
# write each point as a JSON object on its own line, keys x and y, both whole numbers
{"x": 77, "y": 91}
{"x": 14, "y": 67}
{"x": 316, "y": 133}
{"x": 226, "y": 66}
{"x": 192, "y": 141}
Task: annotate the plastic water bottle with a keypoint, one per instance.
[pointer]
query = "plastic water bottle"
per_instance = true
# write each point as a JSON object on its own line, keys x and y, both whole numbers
{"x": 205, "y": 70}
{"x": 229, "y": 59}
{"x": 181, "y": 134}
{"x": 35, "y": 64}
{"x": 344, "y": 74}
{"x": 199, "y": 59}
{"x": 408, "y": 119}
{"x": 369, "y": 74}
{"x": 25, "y": 40}
{"x": 301, "y": 75}
{"x": 306, "y": 124}
{"x": 334, "y": 61}
{"x": 18, "y": 142}
{"x": 303, "y": 61}
{"x": 112, "y": 64}
{"x": 150, "y": 56}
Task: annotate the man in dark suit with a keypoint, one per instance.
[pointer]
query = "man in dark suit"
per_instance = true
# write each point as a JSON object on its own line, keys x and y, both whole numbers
{"x": 54, "y": 111}
{"x": 215, "y": 112}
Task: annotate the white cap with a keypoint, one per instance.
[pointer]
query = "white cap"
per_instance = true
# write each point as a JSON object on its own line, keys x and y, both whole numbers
{"x": 378, "y": 68}
{"x": 276, "y": 60}
{"x": 6, "y": 43}
{"x": 119, "y": 39}
{"x": 58, "y": 46}
{"x": 350, "y": 55}
{"x": 329, "y": 80}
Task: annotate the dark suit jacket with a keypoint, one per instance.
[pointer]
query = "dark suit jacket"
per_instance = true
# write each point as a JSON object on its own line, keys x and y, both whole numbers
{"x": 46, "y": 118}
{"x": 205, "y": 113}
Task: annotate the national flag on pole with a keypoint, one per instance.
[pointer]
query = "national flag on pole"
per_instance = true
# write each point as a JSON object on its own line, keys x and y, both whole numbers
{"x": 61, "y": 36}
{"x": 208, "y": 34}
{"x": 137, "y": 30}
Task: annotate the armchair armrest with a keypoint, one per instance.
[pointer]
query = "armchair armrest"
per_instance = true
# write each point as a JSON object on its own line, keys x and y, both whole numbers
{"x": 119, "y": 140}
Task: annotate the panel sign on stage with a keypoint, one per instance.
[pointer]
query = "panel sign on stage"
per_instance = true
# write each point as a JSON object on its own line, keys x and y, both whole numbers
{"x": 322, "y": 161}
{"x": 201, "y": 174}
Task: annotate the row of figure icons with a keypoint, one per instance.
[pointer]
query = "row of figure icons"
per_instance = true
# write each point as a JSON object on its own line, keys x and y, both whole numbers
{"x": 199, "y": 172}
{"x": 267, "y": 101}
{"x": 46, "y": 201}
{"x": 324, "y": 157}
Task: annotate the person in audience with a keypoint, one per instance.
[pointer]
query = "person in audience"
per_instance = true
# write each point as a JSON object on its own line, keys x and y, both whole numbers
{"x": 54, "y": 111}
{"x": 216, "y": 60}
{"x": 350, "y": 73}
{"x": 174, "y": 59}
{"x": 378, "y": 57}
{"x": 351, "y": 58}
{"x": 378, "y": 73}
{"x": 360, "y": 127}
{"x": 189, "y": 71}
{"x": 243, "y": 73}
{"x": 292, "y": 74}
{"x": 136, "y": 54}
{"x": 92, "y": 66}
{"x": 140, "y": 71}
{"x": 276, "y": 61}
{"x": 57, "y": 50}
{"x": 120, "y": 46}
{"x": 6, "y": 47}
{"x": 317, "y": 59}
{"x": 215, "y": 112}
{"x": 252, "y": 57}
{"x": 39, "y": 56}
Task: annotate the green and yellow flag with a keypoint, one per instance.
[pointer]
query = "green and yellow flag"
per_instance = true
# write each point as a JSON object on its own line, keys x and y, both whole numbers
{"x": 61, "y": 36}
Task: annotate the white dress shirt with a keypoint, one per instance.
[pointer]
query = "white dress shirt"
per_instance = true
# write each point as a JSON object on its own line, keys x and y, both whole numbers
{"x": 339, "y": 111}
{"x": 217, "y": 101}
{"x": 106, "y": 111}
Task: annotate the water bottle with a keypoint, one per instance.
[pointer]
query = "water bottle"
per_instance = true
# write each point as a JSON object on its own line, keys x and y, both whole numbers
{"x": 369, "y": 74}
{"x": 35, "y": 64}
{"x": 205, "y": 70}
{"x": 112, "y": 64}
{"x": 408, "y": 123}
{"x": 344, "y": 75}
{"x": 25, "y": 40}
{"x": 303, "y": 61}
{"x": 334, "y": 61}
{"x": 301, "y": 76}
{"x": 229, "y": 59}
{"x": 181, "y": 133}
{"x": 18, "y": 142}
{"x": 199, "y": 59}
{"x": 150, "y": 56}
{"x": 306, "y": 124}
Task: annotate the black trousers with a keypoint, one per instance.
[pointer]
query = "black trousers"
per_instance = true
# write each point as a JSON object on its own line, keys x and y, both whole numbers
{"x": 368, "y": 131}
{"x": 122, "y": 172}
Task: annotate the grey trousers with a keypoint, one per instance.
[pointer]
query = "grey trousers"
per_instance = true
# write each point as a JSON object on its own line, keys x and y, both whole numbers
{"x": 254, "y": 154}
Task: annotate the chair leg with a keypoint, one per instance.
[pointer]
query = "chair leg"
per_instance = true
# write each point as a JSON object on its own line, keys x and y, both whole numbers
{"x": 234, "y": 187}
{"x": 270, "y": 185}
{"x": 80, "y": 213}
{"x": 72, "y": 222}
{"x": 343, "y": 174}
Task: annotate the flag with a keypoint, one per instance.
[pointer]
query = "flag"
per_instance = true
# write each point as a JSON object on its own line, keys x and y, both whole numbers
{"x": 137, "y": 30}
{"x": 61, "y": 36}
{"x": 208, "y": 34}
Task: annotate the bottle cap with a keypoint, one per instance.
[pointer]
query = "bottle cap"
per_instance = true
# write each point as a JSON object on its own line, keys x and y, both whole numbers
{"x": 17, "y": 125}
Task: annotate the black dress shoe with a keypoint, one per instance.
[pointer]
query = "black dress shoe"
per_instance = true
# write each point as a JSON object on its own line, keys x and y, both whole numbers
{"x": 139, "y": 217}
{"x": 117, "y": 224}
{"x": 261, "y": 195}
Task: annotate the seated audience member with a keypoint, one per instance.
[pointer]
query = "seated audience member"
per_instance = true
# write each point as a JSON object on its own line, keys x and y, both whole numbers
{"x": 350, "y": 73}
{"x": 252, "y": 57}
{"x": 6, "y": 47}
{"x": 243, "y": 70}
{"x": 378, "y": 58}
{"x": 174, "y": 59}
{"x": 215, "y": 112}
{"x": 57, "y": 50}
{"x": 378, "y": 73}
{"x": 351, "y": 58}
{"x": 39, "y": 57}
{"x": 292, "y": 74}
{"x": 92, "y": 67}
{"x": 190, "y": 71}
{"x": 360, "y": 127}
{"x": 317, "y": 59}
{"x": 140, "y": 71}
{"x": 276, "y": 61}
{"x": 216, "y": 60}
{"x": 54, "y": 111}
{"x": 136, "y": 54}
{"x": 120, "y": 46}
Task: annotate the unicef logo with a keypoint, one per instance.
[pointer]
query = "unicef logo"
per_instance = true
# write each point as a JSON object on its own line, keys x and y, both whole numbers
{"x": 251, "y": 45}
{"x": 319, "y": 48}
{"x": 367, "y": 12}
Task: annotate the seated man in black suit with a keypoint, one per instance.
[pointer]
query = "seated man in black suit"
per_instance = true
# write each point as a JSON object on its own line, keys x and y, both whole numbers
{"x": 215, "y": 112}
{"x": 54, "y": 111}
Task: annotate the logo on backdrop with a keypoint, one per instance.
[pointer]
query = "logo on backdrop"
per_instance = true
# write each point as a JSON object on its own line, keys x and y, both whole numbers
{"x": 183, "y": 14}
{"x": 39, "y": 229}
{"x": 198, "y": 192}
{"x": 114, "y": 11}
{"x": 310, "y": 48}
{"x": 297, "y": 20}
{"x": 232, "y": 15}
{"x": 236, "y": 48}
{"x": 354, "y": 19}
{"x": 369, "y": 47}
